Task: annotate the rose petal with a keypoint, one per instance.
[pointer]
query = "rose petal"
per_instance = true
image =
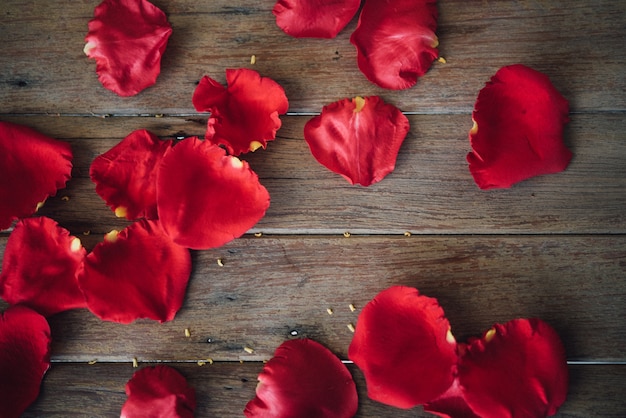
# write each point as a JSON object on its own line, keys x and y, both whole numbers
{"x": 24, "y": 358}
{"x": 518, "y": 129}
{"x": 396, "y": 45}
{"x": 136, "y": 273}
{"x": 127, "y": 39}
{"x": 304, "y": 379}
{"x": 518, "y": 369}
{"x": 314, "y": 18}
{"x": 244, "y": 116}
{"x": 358, "y": 138}
{"x": 451, "y": 404}
{"x": 404, "y": 347}
{"x": 206, "y": 198}
{"x": 32, "y": 167}
{"x": 39, "y": 267}
{"x": 125, "y": 176}
{"x": 159, "y": 392}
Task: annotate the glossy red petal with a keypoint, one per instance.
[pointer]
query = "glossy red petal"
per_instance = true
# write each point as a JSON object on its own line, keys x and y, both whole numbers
{"x": 306, "y": 380}
{"x": 127, "y": 39}
{"x": 159, "y": 392}
{"x": 206, "y": 198}
{"x": 358, "y": 138}
{"x": 136, "y": 273}
{"x": 125, "y": 176}
{"x": 404, "y": 347}
{"x": 39, "y": 267}
{"x": 314, "y": 18}
{"x": 451, "y": 404}
{"x": 244, "y": 116}
{"x": 32, "y": 167}
{"x": 518, "y": 369}
{"x": 518, "y": 129}
{"x": 395, "y": 41}
{"x": 24, "y": 358}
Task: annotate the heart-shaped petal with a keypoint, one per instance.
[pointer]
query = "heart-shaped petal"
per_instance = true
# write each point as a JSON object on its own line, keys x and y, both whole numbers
{"x": 24, "y": 358}
{"x": 127, "y": 39}
{"x": 244, "y": 115}
{"x": 358, "y": 138}
{"x": 518, "y": 129}
{"x": 136, "y": 273}
{"x": 304, "y": 379}
{"x": 159, "y": 392}
{"x": 33, "y": 167}
{"x": 396, "y": 43}
{"x": 314, "y": 18}
{"x": 206, "y": 198}
{"x": 39, "y": 267}
{"x": 125, "y": 176}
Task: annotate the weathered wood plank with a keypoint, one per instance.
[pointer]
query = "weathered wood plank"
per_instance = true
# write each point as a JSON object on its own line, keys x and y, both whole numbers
{"x": 430, "y": 191}
{"x": 223, "y": 389}
{"x": 578, "y": 44}
{"x": 270, "y": 286}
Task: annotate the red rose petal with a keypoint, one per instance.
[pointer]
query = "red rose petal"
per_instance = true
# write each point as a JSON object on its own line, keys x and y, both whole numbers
{"x": 24, "y": 358}
{"x": 127, "y": 39}
{"x": 358, "y": 138}
{"x": 314, "y": 18}
{"x": 396, "y": 44}
{"x": 206, "y": 198}
{"x": 39, "y": 267}
{"x": 244, "y": 116}
{"x": 125, "y": 176}
{"x": 404, "y": 347}
{"x": 518, "y": 369}
{"x": 159, "y": 392}
{"x": 32, "y": 167}
{"x": 136, "y": 273}
{"x": 518, "y": 129}
{"x": 304, "y": 379}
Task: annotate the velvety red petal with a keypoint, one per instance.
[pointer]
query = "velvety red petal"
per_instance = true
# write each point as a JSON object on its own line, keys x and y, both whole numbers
{"x": 358, "y": 138}
{"x": 136, "y": 273}
{"x": 518, "y": 369}
{"x": 404, "y": 347}
{"x": 395, "y": 41}
{"x": 125, "y": 176}
{"x": 159, "y": 392}
{"x": 127, "y": 39}
{"x": 206, "y": 198}
{"x": 244, "y": 116}
{"x": 314, "y": 18}
{"x": 39, "y": 267}
{"x": 451, "y": 404}
{"x": 518, "y": 129}
{"x": 32, "y": 167}
{"x": 304, "y": 379}
{"x": 24, "y": 358}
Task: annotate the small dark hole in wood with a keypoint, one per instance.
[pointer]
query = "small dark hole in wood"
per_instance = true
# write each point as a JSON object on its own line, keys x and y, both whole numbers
{"x": 21, "y": 83}
{"x": 244, "y": 380}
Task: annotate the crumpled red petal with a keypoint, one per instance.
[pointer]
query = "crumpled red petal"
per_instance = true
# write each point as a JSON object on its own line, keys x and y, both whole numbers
{"x": 127, "y": 39}
{"x": 396, "y": 44}
{"x": 159, "y": 392}
{"x": 404, "y": 347}
{"x": 125, "y": 176}
{"x": 33, "y": 167}
{"x": 358, "y": 138}
{"x": 206, "y": 198}
{"x": 244, "y": 115}
{"x": 304, "y": 379}
{"x": 314, "y": 18}
{"x": 136, "y": 273}
{"x": 24, "y": 358}
{"x": 518, "y": 369}
{"x": 518, "y": 129}
{"x": 39, "y": 267}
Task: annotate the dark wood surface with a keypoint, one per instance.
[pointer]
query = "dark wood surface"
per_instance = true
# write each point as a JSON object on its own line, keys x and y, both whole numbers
{"x": 552, "y": 247}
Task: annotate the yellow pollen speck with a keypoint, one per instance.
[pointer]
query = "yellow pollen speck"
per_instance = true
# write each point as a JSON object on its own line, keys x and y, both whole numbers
{"x": 346, "y": 234}
{"x": 201, "y": 362}
{"x": 255, "y": 145}
{"x": 442, "y": 60}
{"x": 220, "y": 262}
{"x": 258, "y": 234}
{"x": 121, "y": 211}
{"x": 75, "y": 245}
{"x": 490, "y": 334}
{"x": 88, "y": 47}
{"x": 407, "y": 234}
{"x": 241, "y": 361}
{"x": 65, "y": 198}
{"x": 39, "y": 205}
{"x": 92, "y": 362}
{"x": 236, "y": 162}
{"x": 159, "y": 115}
{"x": 253, "y": 59}
{"x": 359, "y": 103}
{"x": 112, "y": 236}
{"x": 351, "y": 327}
{"x": 450, "y": 338}
{"x": 352, "y": 307}
{"x": 474, "y": 129}
{"x": 187, "y": 333}
{"x": 248, "y": 350}
{"x": 329, "y": 310}
{"x": 87, "y": 232}
{"x": 135, "y": 363}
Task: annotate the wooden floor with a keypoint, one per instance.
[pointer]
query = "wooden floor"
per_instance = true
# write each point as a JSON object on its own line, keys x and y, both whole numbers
{"x": 552, "y": 247}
